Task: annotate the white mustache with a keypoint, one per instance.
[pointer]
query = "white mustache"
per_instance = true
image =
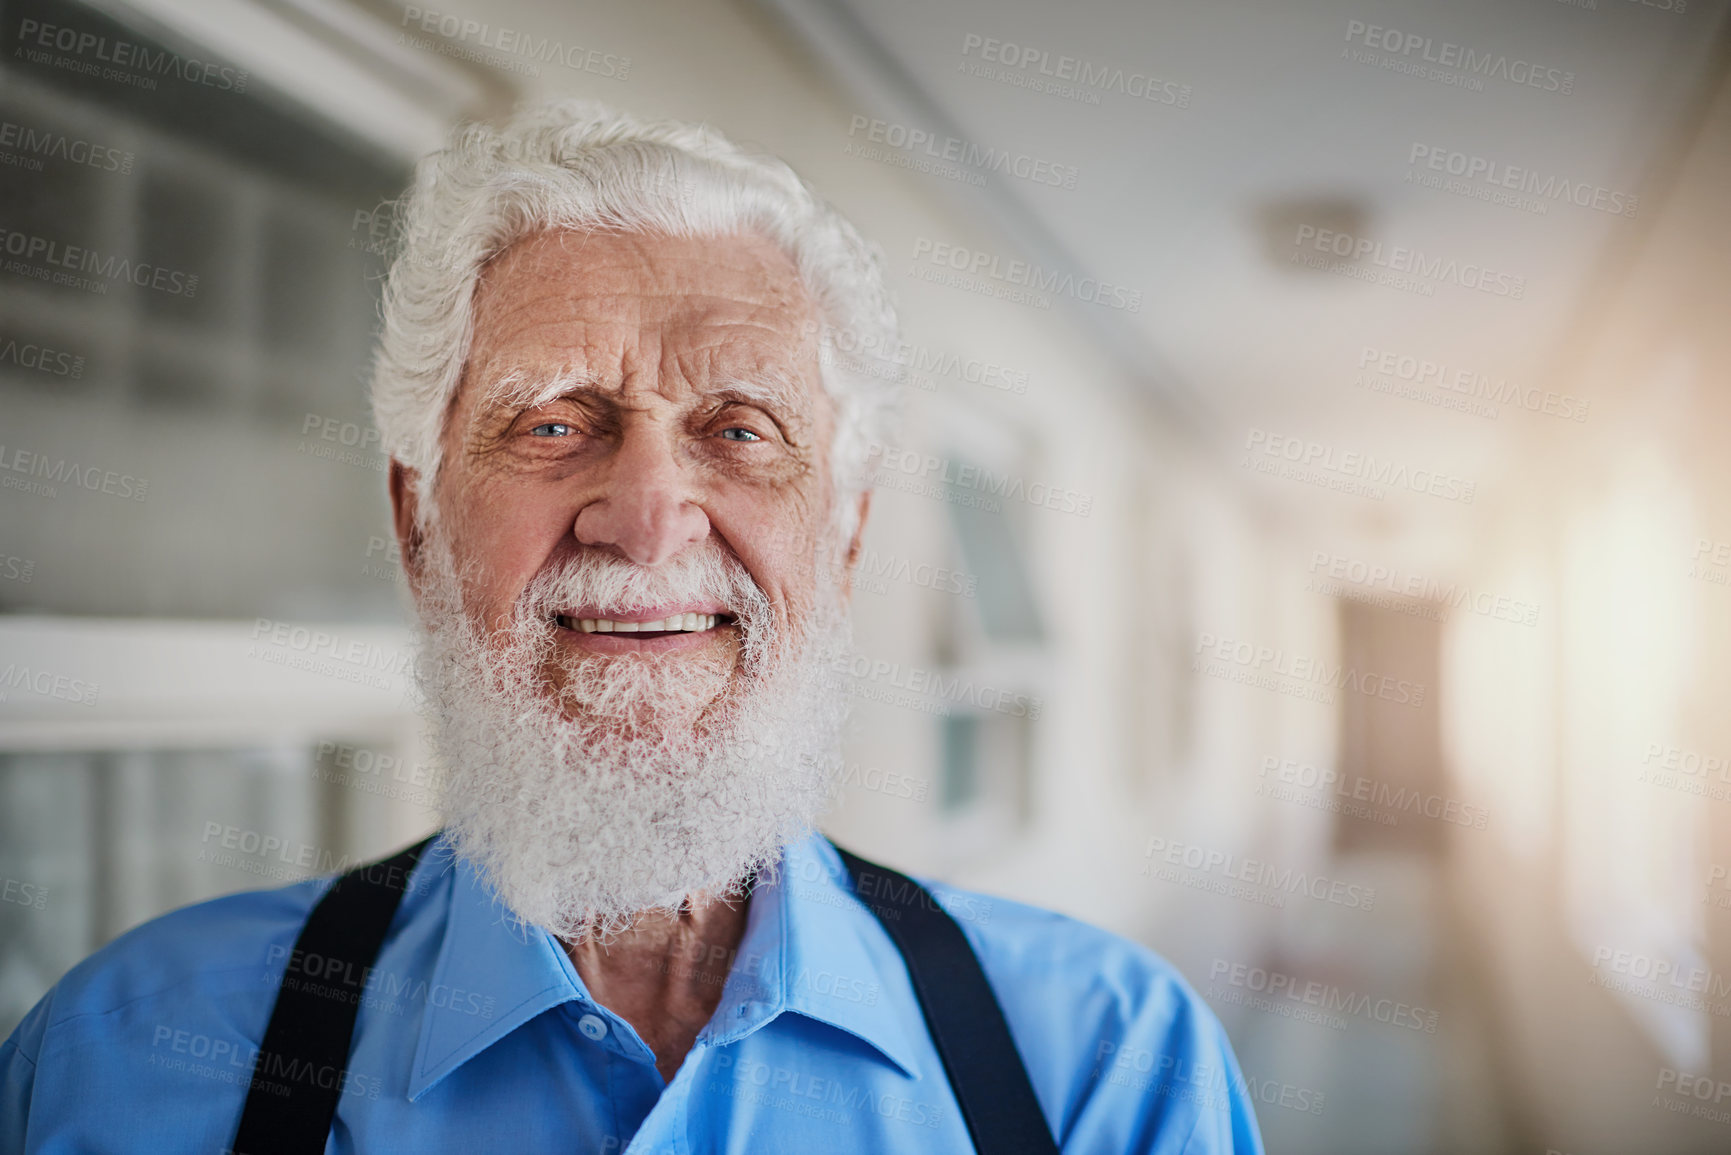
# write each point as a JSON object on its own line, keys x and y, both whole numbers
{"x": 598, "y": 576}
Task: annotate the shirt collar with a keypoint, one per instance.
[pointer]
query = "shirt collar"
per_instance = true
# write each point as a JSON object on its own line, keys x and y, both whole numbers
{"x": 810, "y": 947}
{"x": 518, "y": 971}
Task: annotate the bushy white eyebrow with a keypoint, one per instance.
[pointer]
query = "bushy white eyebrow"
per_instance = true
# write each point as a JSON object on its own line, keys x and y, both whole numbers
{"x": 770, "y": 388}
{"x": 521, "y": 389}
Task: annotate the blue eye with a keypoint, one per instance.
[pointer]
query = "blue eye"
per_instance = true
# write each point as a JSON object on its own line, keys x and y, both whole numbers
{"x": 559, "y": 429}
{"x": 743, "y": 434}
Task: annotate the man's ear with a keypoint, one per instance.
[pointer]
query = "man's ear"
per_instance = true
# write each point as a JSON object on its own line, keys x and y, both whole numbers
{"x": 405, "y": 516}
{"x": 854, "y": 546}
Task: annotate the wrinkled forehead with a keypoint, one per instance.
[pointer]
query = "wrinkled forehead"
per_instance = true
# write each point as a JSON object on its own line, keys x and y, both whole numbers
{"x": 608, "y": 310}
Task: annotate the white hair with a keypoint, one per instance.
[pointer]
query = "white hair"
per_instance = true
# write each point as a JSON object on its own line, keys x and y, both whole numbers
{"x": 574, "y": 164}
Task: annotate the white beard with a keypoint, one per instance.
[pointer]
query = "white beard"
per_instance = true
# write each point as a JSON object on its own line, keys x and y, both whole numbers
{"x": 647, "y": 779}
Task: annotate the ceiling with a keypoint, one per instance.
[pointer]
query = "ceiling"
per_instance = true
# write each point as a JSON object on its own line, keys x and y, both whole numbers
{"x": 1284, "y": 116}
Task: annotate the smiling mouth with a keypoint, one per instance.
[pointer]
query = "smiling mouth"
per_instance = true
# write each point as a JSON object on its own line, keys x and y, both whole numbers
{"x": 672, "y": 624}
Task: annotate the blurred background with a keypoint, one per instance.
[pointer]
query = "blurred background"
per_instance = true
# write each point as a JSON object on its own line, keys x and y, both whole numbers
{"x": 1308, "y": 551}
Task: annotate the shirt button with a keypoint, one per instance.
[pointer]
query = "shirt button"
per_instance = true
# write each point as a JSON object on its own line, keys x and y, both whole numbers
{"x": 592, "y": 1027}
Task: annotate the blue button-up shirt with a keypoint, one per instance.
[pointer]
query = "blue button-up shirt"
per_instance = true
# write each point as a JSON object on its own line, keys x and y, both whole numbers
{"x": 476, "y": 1034}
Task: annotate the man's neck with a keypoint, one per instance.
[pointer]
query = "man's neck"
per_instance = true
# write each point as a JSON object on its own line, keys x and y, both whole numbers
{"x": 664, "y": 976}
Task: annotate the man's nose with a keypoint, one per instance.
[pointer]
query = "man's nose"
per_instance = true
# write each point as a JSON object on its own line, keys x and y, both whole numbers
{"x": 646, "y": 508}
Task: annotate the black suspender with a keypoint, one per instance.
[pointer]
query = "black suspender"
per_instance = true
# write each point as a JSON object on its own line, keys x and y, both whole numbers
{"x": 966, "y": 1023}
{"x": 298, "y": 1074}
{"x": 306, "y": 1045}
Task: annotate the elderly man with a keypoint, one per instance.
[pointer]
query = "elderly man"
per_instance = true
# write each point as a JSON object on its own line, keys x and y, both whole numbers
{"x": 622, "y": 473}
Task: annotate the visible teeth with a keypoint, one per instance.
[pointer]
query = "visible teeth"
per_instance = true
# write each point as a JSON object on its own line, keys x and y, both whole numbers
{"x": 679, "y": 623}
